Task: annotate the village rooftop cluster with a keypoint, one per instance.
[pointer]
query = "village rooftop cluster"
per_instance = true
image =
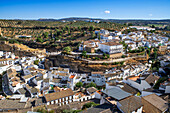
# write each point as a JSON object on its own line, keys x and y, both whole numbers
{"x": 127, "y": 88}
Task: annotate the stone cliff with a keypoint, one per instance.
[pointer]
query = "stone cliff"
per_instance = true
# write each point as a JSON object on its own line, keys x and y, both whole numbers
{"x": 5, "y": 47}
{"x": 74, "y": 65}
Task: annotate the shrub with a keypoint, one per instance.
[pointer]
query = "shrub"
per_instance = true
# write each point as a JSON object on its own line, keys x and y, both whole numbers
{"x": 88, "y": 105}
{"x": 36, "y": 62}
{"x": 138, "y": 94}
{"x": 121, "y": 63}
{"x": 39, "y": 40}
{"x": 162, "y": 79}
{"x": 67, "y": 49}
{"x": 12, "y": 41}
{"x": 84, "y": 53}
{"x": 123, "y": 56}
{"x": 108, "y": 56}
{"x": 92, "y": 84}
{"x": 79, "y": 84}
{"x": 104, "y": 63}
{"x": 96, "y": 58}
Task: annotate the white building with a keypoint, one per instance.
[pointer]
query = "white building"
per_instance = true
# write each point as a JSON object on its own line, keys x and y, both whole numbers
{"x": 61, "y": 97}
{"x": 3, "y": 68}
{"x": 111, "y": 47}
{"x": 97, "y": 78}
{"x": 106, "y": 37}
{"x": 142, "y": 83}
{"x": 104, "y": 32}
{"x": 142, "y": 28}
{"x": 7, "y": 61}
{"x": 74, "y": 78}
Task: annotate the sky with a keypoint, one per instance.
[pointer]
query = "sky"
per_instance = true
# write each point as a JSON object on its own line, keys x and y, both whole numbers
{"x": 106, "y": 9}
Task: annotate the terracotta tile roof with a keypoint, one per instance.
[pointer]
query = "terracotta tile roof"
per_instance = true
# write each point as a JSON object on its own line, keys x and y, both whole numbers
{"x": 27, "y": 76}
{"x": 15, "y": 79}
{"x": 151, "y": 79}
{"x": 72, "y": 76}
{"x": 99, "y": 92}
{"x": 130, "y": 104}
{"x": 156, "y": 101}
{"x": 34, "y": 90}
{"x": 56, "y": 80}
{"x": 91, "y": 89}
{"x": 79, "y": 93}
{"x": 134, "y": 78}
{"x": 95, "y": 40}
{"x": 57, "y": 89}
{"x": 129, "y": 89}
{"x": 98, "y": 72}
{"x": 61, "y": 74}
{"x": 58, "y": 95}
{"x": 11, "y": 73}
{"x": 15, "y": 83}
{"x": 110, "y": 43}
{"x": 46, "y": 80}
{"x": 103, "y": 108}
{"x": 6, "y": 59}
{"x": 12, "y": 104}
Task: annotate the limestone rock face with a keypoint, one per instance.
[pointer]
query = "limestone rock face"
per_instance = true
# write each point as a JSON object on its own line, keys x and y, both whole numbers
{"x": 5, "y": 47}
{"x": 48, "y": 64}
{"x": 74, "y": 65}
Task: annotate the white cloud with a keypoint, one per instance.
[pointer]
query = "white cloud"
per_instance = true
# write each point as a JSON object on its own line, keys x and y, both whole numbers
{"x": 107, "y": 12}
{"x": 150, "y": 14}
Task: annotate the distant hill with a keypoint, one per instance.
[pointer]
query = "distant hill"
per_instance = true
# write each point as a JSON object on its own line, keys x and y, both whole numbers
{"x": 121, "y": 21}
{"x": 115, "y": 24}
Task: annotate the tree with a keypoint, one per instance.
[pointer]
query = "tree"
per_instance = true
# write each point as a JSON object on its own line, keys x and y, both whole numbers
{"x": 99, "y": 37}
{"x": 67, "y": 49}
{"x": 155, "y": 55}
{"x": 92, "y": 84}
{"x": 39, "y": 40}
{"x": 51, "y": 34}
{"x": 108, "y": 56}
{"x": 155, "y": 49}
{"x": 91, "y": 28}
{"x": 121, "y": 63}
{"x": 12, "y": 41}
{"x": 36, "y": 62}
{"x": 92, "y": 34}
{"x": 84, "y": 53}
{"x": 104, "y": 55}
{"x": 123, "y": 56}
{"x": 148, "y": 52}
{"x": 79, "y": 28}
{"x": 88, "y": 105}
{"x": 152, "y": 26}
{"x": 129, "y": 49}
{"x": 79, "y": 84}
{"x": 67, "y": 28}
{"x": 129, "y": 24}
{"x": 83, "y": 34}
{"x": 138, "y": 94}
{"x": 45, "y": 35}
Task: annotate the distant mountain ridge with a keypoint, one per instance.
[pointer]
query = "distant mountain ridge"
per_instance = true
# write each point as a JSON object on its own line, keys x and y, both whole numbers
{"x": 121, "y": 21}
{"x": 86, "y": 18}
